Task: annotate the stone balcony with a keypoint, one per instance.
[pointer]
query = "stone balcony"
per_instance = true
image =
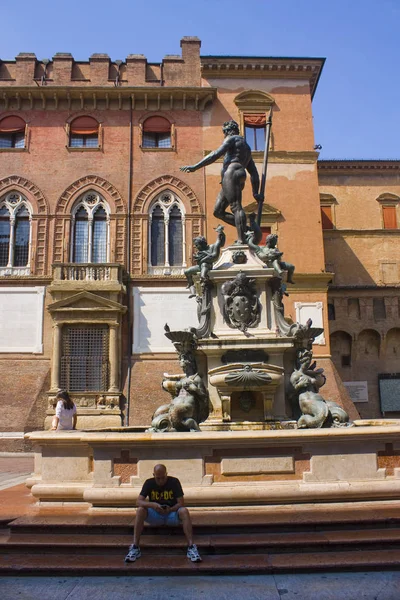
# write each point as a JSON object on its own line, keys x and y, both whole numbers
{"x": 88, "y": 276}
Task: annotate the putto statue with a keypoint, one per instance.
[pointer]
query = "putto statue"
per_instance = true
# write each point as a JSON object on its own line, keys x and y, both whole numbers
{"x": 237, "y": 160}
{"x": 190, "y": 399}
{"x": 205, "y": 257}
{"x": 270, "y": 255}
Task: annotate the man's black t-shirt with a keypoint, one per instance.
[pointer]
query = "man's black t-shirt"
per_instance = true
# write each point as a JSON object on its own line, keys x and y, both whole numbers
{"x": 165, "y": 494}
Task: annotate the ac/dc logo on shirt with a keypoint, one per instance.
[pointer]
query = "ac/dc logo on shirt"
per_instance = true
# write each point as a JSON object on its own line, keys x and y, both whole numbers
{"x": 163, "y": 495}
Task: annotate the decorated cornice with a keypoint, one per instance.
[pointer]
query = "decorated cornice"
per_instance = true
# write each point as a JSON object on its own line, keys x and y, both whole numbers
{"x": 307, "y": 283}
{"x": 281, "y": 156}
{"x": 264, "y": 67}
{"x": 328, "y": 233}
{"x": 104, "y": 98}
{"x": 353, "y": 166}
{"x": 367, "y": 287}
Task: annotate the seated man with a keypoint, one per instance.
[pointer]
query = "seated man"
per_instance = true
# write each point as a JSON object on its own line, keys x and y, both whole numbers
{"x": 164, "y": 507}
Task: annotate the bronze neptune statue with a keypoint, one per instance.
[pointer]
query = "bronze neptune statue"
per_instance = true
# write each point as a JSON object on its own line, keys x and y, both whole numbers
{"x": 237, "y": 160}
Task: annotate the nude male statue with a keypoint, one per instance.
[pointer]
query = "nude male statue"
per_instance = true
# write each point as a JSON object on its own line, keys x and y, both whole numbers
{"x": 233, "y": 176}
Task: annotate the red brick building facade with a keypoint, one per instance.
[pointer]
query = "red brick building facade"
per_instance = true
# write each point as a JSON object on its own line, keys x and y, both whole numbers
{"x": 97, "y": 220}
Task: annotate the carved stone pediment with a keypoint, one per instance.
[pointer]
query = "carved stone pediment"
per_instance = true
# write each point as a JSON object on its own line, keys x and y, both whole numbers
{"x": 267, "y": 209}
{"x": 86, "y": 301}
{"x": 254, "y": 100}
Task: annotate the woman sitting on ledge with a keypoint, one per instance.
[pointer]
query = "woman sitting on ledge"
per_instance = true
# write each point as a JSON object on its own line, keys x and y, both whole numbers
{"x": 65, "y": 417}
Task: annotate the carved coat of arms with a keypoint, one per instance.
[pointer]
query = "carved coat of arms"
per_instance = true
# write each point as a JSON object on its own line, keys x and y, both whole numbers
{"x": 241, "y": 306}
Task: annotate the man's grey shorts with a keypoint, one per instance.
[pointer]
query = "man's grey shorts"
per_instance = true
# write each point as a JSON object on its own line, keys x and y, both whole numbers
{"x": 154, "y": 518}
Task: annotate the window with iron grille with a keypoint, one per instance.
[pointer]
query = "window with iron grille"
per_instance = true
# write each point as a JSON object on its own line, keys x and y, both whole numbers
{"x": 84, "y": 358}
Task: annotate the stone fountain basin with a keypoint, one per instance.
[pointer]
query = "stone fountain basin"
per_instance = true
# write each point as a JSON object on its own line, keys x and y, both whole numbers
{"x": 250, "y": 377}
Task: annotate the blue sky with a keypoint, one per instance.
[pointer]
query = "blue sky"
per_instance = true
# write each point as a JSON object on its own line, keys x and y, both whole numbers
{"x": 356, "y": 107}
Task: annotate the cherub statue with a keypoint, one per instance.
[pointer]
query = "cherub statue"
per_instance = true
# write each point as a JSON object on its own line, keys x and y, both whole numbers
{"x": 270, "y": 254}
{"x": 205, "y": 257}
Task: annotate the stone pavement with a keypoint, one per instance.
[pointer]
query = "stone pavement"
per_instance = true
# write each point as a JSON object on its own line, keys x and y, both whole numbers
{"x": 321, "y": 586}
{"x": 14, "y": 469}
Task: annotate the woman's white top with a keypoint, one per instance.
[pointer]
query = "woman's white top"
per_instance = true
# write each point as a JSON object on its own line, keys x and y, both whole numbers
{"x": 65, "y": 415}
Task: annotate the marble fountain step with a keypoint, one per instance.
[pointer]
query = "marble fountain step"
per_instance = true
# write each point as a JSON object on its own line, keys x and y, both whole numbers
{"x": 88, "y": 546}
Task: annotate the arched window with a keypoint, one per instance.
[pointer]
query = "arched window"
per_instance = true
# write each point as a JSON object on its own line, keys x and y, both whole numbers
{"x": 175, "y": 242}
{"x": 84, "y": 133}
{"x": 15, "y": 234}
{"x": 167, "y": 253}
{"x": 99, "y": 235}
{"x": 90, "y": 230}
{"x": 341, "y": 343}
{"x": 12, "y": 132}
{"x": 157, "y": 237}
{"x": 156, "y": 133}
{"x": 369, "y": 344}
{"x": 21, "y": 244}
{"x": 81, "y": 236}
{"x": 393, "y": 343}
{"x": 4, "y": 236}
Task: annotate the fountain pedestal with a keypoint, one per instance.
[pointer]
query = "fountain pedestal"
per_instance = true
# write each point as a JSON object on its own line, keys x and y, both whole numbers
{"x": 245, "y": 355}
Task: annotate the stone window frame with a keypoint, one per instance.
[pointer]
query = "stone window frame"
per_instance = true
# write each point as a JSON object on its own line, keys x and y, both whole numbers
{"x": 102, "y": 311}
{"x": 194, "y": 218}
{"x": 100, "y": 136}
{"x": 167, "y": 207}
{"x": 389, "y": 200}
{"x": 254, "y": 102}
{"x": 165, "y": 116}
{"x": 90, "y": 206}
{"x": 70, "y": 375}
{"x": 26, "y": 135}
{"x": 330, "y": 201}
{"x": 13, "y": 205}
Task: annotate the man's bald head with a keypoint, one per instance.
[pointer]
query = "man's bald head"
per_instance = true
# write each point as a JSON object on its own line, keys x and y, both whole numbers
{"x": 160, "y": 474}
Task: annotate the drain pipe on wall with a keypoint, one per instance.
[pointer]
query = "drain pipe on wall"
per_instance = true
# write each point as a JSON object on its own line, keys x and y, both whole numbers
{"x": 128, "y": 267}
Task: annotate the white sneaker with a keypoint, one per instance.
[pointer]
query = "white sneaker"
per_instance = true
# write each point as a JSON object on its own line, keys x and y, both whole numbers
{"x": 133, "y": 554}
{"x": 193, "y": 553}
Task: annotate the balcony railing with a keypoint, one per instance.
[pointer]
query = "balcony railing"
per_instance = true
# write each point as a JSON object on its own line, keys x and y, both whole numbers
{"x": 87, "y": 272}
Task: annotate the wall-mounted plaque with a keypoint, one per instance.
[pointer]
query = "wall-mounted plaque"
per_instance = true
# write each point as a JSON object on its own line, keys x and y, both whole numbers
{"x": 389, "y": 392}
{"x": 358, "y": 390}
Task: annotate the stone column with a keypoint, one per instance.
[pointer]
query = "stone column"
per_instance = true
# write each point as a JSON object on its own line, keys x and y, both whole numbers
{"x": 166, "y": 241}
{"x": 113, "y": 358}
{"x": 11, "y": 246}
{"x": 56, "y": 362}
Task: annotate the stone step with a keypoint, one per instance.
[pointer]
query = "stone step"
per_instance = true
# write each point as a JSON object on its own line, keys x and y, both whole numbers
{"x": 174, "y": 542}
{"x": 123, "y": 524}
{"x": 58, "y": 564}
